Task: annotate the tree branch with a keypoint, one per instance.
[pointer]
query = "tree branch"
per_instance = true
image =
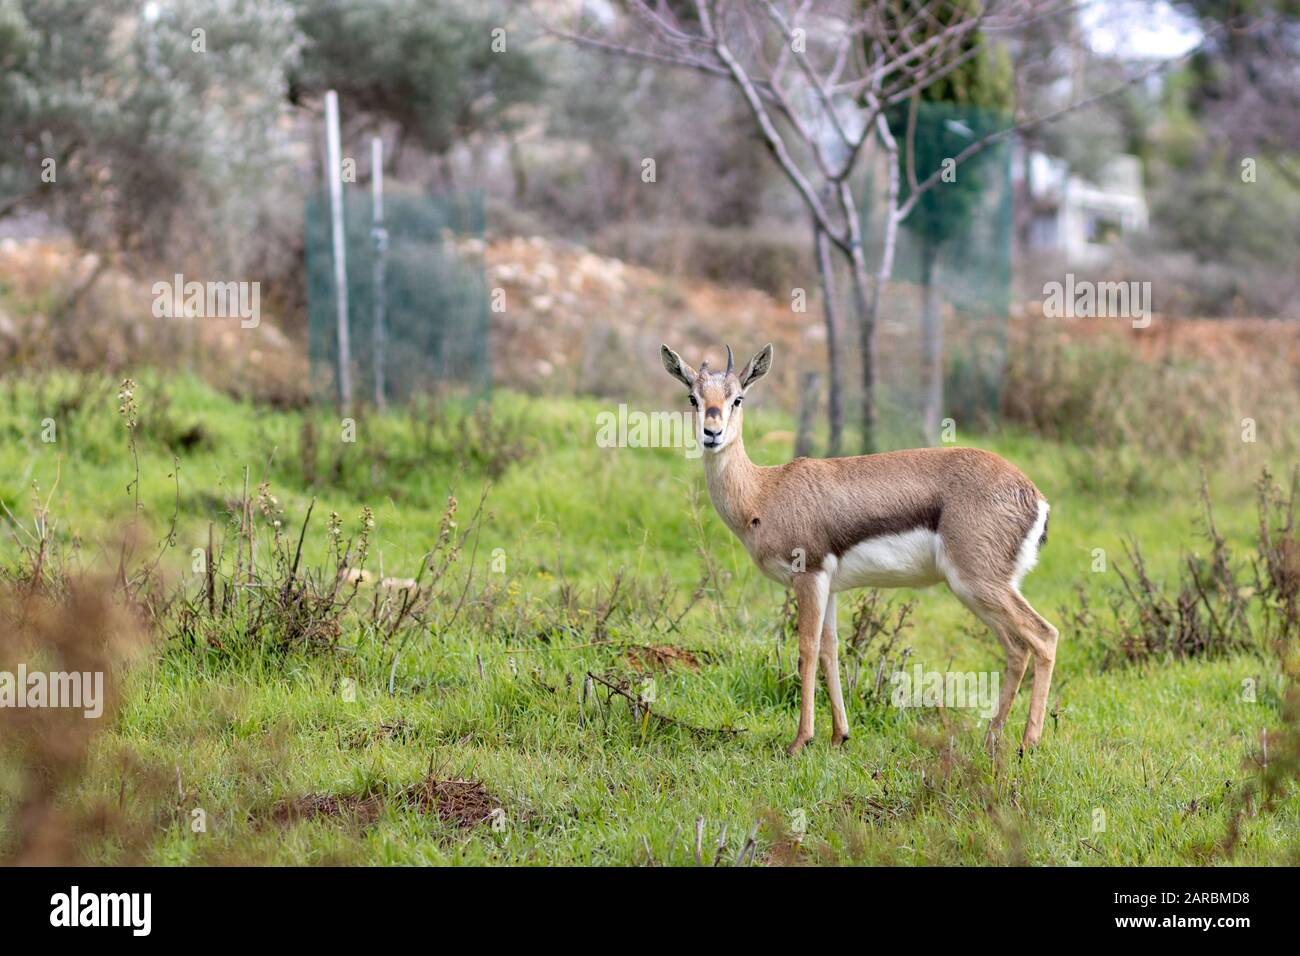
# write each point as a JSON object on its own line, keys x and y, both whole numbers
{"x": 769, "y": 130}
{"x": 636, "y": 53}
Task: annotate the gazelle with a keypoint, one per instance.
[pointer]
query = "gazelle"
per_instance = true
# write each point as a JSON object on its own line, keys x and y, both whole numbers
{"x": 897, "y": 519}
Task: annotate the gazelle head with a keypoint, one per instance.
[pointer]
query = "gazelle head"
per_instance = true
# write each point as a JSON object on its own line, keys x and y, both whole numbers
{"x": 717, "y": 396}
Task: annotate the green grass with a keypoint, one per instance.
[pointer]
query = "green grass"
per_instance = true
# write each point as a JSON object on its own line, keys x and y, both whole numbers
{"x": 1159, "y": 749}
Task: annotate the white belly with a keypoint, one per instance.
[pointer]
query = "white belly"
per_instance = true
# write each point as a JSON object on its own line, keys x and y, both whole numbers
{"x": 905, "y": 560}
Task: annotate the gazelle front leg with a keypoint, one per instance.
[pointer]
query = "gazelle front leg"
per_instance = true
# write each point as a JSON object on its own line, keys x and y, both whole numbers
{"x": 830, "y": 660}
{"x": 1017, "y": 661}
{"x": 811, "y": 591}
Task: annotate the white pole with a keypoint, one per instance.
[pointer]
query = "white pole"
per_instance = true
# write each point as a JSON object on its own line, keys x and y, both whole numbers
{"x": 379, "y": 333}
{"x": 334, "y": 176}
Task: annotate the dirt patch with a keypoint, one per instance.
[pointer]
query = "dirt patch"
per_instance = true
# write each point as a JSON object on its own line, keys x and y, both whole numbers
{"x": 547, "y": 340}
{"x": 399, "y": 731}
{"x": 316, "y": 806}
{"x": 662, "y": 657}
{"x": 105, "y": 330}
{"x": 461, "y": 803}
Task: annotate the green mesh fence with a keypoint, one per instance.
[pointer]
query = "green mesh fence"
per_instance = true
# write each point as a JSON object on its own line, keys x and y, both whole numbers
{"x": 435, "y": 306}
{"x": 951, "y": 286}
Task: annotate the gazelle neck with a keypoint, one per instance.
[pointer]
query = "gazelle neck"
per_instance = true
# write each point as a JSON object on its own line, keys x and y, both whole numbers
{"x": 733, "y": 483}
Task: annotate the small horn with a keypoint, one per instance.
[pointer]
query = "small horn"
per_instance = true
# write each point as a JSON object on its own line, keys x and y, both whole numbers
{"x": 730, "y": 362}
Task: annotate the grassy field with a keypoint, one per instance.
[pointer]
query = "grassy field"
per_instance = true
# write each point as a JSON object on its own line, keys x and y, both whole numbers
{"x": 483, "y": 742}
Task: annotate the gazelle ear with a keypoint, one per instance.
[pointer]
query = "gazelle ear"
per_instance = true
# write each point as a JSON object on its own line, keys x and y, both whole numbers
{"x": 676, "y": 367}
{"x": 758, "y": 366}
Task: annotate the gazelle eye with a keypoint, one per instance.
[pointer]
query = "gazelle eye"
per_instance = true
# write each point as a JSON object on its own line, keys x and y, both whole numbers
{"x": 736, "y": 403}
{"x": 694, "y": 401}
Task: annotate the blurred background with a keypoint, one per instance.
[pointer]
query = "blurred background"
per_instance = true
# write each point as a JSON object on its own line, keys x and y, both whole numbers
{"x": 568, "y": 183}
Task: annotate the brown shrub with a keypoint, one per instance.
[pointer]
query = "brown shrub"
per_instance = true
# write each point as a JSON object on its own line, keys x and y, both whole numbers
{"x": 1220, "y": 604}
{"x": 1180, "y": 389}
{"x": 81, "y": 627}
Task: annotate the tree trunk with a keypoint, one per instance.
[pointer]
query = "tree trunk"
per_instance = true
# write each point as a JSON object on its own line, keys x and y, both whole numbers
{"x": 867, "y": 310}
{"x": 66, "y": 343}
{"x": 66, "y": 306}
{"x": 803, "y": 441}
{"x": 931, "y": 346}
{"x": 868, "y": 307}
{"x": 1022, "y": 212}
{"x": 518, "y": 171}
{"x": 835, "y": 399}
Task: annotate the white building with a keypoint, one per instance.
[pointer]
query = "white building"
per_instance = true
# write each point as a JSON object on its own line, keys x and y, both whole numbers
{"x": 1079, "y": 218}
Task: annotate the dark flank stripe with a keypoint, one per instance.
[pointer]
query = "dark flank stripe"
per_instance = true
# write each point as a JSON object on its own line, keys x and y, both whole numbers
{"x": 846, "y": 538}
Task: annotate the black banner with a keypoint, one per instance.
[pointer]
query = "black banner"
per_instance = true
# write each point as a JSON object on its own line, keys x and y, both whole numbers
{"x": 338, "y": 905}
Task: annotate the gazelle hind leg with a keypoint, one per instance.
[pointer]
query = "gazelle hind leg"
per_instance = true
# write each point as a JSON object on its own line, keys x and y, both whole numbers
{"x": 1041, "y": 638}
{"x": 997, "y": 613}
{"x": 811, "y": 591}
{"x": 830, "y": 661}
{"x": 985, "y": 574}
{"x": 1023, "y": 632}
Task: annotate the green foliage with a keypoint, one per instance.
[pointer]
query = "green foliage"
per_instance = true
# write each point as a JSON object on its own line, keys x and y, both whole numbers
{"x": 162, "y": 140}
{"x": 943, "y": 118}
{"x": 55, "y": 71}
{"x": 428, "y": 67}
{"x": 1219, "y": 219}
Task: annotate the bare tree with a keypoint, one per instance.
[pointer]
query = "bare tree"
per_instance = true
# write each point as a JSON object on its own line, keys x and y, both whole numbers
{"x": 818, "y": 77}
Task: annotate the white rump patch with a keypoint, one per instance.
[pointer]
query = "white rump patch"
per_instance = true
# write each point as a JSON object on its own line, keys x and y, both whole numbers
{"x": 902, "y": 560}
{"x": 1028, "y": 555}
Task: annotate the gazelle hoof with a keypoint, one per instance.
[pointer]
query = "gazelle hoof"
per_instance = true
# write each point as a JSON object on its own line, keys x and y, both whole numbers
{"x": 797, "y": 746}
{"x": 839, "y": 740}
